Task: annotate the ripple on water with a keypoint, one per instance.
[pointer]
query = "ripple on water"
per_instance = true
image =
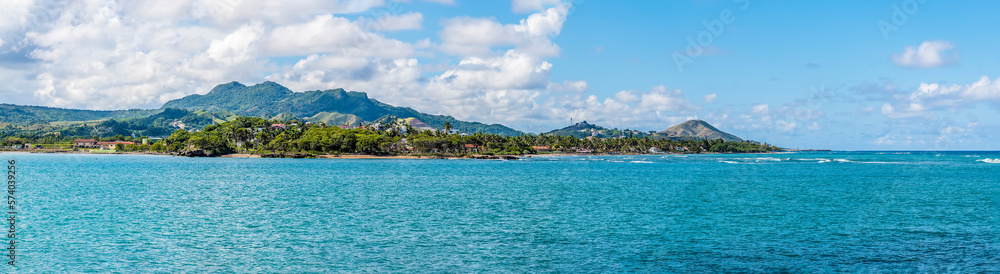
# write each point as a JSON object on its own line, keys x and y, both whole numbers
{"x": 764, "y": 213}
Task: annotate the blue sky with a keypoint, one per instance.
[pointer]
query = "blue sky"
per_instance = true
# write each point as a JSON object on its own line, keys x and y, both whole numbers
{"x": 851, "y": 75}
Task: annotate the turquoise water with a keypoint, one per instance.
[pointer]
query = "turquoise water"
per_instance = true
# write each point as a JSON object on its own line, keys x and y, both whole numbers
{"x": 811, "y": 212}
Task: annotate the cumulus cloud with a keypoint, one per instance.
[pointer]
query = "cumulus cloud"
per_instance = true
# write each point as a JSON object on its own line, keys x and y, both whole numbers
{"x": 658, "y": 108}
{"x": 476, "y": 37}
{"x": 929, "y": 54}
{"x": 710, "y": 98}
{"x": 983, "y": 90}
{"x": 627, "y": 96}
{"x": 408, "y": 21}
{"x": 109, "y": 54}
{"x": 446, "y": 2}
{"x": 785, "y": 126}
{"x": 762, "y": 109}
{"x": 931, "y": 97}
{"x": 522, "y": 6}
{"x": 569, "y": 86}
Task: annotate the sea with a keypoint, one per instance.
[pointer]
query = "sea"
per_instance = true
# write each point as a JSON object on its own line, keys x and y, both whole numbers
{"x": 865, "y": 212}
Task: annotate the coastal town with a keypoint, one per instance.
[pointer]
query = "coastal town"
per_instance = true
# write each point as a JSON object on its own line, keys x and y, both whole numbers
{"x": 258, "y": 137}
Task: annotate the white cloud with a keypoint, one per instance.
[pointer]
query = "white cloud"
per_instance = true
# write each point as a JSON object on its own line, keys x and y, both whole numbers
{"x": 762, "y": 109}
{"x": 929, "y": 54}
{"x": 662, "y": 99}
{"x": 476, "y": 37}
{"x": 785, "y": 126}
{"x": 236, "y": 47}
{"x": 710, "y": 98}
{"x": 813, "y": 126}
{"x": 932, "y": 97}
{"x": 626, "y": 96}
{"x": 569, "y": 86}
{"x": 239, "y": 12}
{"x": 513, "y": 70}
{"x": 522, "y": 6}
{"x": 893, "y": 139}
{"x": 951, "y": 95}
{"x": 105, "y": 54}
{"x": 658, "y": 108}
{"x": 408, "y": 21}
{"x": 326, "y": 33}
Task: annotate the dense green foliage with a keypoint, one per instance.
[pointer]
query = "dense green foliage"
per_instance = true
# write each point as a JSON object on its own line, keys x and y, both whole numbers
{"x": 253, "y": 135}
{"x": 257, "y": 136}
{"x": 695, "y": 130}
{"x": 269, "y": 99}
{"x": 157, "y": 125}
{"x": 26, "y": 115}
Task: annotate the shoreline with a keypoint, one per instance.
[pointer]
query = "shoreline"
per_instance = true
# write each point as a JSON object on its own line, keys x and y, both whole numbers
{"x": 363, "y": 156}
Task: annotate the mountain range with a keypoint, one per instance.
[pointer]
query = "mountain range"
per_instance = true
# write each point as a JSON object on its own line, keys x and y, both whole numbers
{"x": 333, "y": 107}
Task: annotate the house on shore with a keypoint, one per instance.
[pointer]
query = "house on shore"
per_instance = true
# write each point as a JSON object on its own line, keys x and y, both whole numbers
{"x": 112, "y": 145}
{"x": 473, "y": 147}
{"x": 84, "y": 143}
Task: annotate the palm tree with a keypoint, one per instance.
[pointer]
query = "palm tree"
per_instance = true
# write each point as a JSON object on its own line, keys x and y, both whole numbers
{"x": 447, "y": 127}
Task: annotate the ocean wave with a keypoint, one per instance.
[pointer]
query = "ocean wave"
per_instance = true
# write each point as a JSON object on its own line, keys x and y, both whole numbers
{"x": 729, "y": 162}
{"x": 641, "y": 162}
{"x": 769, "y": 159}
{"x": 823, "y": 160}
{"x": 989, "y": 161}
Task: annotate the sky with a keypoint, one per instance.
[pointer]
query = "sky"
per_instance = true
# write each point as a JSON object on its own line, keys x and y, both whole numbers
{"x": 843, "y": 75}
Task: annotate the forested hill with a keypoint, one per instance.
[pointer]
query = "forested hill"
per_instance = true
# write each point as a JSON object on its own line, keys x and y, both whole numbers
{"x": 269, "y": 99}
{"x": 578, "y": 130}
{"x": 26, "y": 115}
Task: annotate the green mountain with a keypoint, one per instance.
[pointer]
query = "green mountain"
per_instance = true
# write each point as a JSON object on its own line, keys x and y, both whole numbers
{"x": 335, "y": 106}
{"x": 578, "y": 130}
{"x": 698, "y": 129}
{"x": 334, "y": 118}
{"x": 27, "y": 115}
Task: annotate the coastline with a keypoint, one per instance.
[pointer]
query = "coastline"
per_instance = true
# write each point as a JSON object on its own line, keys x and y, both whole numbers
{"x": 406, "y": 157}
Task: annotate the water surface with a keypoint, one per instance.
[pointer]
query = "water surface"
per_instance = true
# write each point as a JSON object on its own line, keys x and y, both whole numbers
{"x": 839, "y": 211}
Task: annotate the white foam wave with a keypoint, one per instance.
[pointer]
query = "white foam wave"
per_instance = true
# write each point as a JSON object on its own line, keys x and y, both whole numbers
{"x": 641, "y": 162}
{"x": 990, "y": 161}
{"x": 728, "y": 162}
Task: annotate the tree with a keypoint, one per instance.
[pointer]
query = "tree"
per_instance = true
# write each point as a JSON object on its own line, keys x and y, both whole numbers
{"x": 447, "y": 127}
